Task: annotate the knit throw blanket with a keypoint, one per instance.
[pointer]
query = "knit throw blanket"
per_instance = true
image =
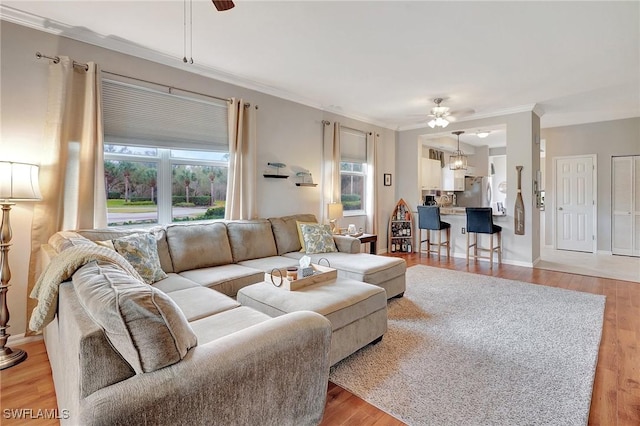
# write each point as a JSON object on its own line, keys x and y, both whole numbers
{"x": 61, "y": 268}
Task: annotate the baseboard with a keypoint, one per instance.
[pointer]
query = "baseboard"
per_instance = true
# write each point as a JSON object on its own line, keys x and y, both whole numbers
{"x": 605, "y": 252}
{"x": 504, "y": 261}
{"x": 535, "y": 262}
{"x": 21, "y": 339}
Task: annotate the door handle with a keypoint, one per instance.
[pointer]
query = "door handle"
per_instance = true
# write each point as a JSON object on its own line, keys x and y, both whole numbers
{"x": 559, "y": 208}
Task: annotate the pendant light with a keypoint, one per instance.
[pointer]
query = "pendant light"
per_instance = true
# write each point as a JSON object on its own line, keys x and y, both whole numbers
{"x": 458, "y": 161}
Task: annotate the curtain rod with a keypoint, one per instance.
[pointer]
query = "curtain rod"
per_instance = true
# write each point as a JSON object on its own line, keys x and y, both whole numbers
{"x": 56, "y": 59}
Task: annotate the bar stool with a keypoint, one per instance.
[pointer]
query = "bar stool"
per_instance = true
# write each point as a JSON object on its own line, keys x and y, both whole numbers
{"x": 480, "y": 221}
{"x": 429, "y": 219}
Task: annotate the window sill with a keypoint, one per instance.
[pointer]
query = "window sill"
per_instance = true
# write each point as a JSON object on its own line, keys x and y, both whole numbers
{"x": 352, "y": 213}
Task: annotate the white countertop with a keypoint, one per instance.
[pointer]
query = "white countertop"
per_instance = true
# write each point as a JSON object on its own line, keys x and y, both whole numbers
{"x": 461, "y": 211}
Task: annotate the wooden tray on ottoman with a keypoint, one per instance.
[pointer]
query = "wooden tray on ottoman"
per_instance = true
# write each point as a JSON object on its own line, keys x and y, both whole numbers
{"x": 320, "y": 274}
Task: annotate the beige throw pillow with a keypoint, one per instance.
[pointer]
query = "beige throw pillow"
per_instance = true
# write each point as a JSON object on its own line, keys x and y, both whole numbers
{"x": 141, "y": 250}
{"x": 317, "y": 238}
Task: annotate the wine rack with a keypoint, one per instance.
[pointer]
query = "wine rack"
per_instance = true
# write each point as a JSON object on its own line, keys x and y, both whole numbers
{"x": 400, "y": 236}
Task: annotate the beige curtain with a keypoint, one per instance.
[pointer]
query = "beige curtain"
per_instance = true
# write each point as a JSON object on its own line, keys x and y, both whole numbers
{"x": 71, "y": 165}
{"x": 335, "y": 168}
{"x": 241, "y": 180}
{"x": 372, "y": 183}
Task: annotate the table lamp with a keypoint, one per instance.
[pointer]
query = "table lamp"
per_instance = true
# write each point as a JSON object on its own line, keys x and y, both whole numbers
{"x": 334, "y": 212}
{"x": 18, "y": 182}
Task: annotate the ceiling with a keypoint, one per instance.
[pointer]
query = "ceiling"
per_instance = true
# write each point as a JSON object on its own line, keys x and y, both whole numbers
{"x": 385, "y": 62}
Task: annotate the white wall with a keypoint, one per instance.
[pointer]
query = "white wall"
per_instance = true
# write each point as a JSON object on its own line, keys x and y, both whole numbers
{"x": 604, "y": 139}
{"x": 287, "y": 132}
{"x": 500, "y": 167}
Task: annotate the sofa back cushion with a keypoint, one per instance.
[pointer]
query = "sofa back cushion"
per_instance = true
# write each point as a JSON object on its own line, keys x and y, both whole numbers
{"x": 114, "y": 233}
{"x": 285, "y": 231}
{"x": 198, "y": 246}
{"x": 141, "y": 322}
{"x": 251, "y": 239}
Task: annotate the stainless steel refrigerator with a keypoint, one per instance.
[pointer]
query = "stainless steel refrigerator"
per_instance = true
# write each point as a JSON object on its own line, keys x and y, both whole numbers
{"x": 477, "y": 192}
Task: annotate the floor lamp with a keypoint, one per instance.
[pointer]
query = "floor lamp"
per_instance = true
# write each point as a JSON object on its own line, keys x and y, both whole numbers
{"x": 18, "y": 182}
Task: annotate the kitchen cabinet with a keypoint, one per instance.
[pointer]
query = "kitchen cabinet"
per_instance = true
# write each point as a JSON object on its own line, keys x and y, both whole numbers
{"x": 452, "y": 180}
{"x": 431, "y": 174}
{"x": 625, "y": 209}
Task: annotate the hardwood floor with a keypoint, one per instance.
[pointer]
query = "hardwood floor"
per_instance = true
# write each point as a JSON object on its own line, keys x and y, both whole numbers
{"x": 616, "y": 392}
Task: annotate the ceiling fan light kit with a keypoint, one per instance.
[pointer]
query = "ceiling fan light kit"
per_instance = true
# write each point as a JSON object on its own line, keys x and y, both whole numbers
{"x": 438, "y": 122}
{"x": 438, "y": 113}
{"x": 458, "y": 161}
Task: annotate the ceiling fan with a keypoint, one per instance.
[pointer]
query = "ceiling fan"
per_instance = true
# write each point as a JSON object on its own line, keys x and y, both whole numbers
{"x": 222, "y": 5}
{"x": 439, "y": 115}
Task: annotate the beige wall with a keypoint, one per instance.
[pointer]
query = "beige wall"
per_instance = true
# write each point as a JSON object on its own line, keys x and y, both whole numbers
{"x": 604, "y": 139}
{"x": 288, "y": 132}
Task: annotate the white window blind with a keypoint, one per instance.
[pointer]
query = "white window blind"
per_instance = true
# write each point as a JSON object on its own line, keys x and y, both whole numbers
{"x": 135, "y": 115}
{"x": 353, "y": 146}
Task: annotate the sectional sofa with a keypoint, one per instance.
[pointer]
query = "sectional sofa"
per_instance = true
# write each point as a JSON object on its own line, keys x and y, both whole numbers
{"x": 123, "y": 352}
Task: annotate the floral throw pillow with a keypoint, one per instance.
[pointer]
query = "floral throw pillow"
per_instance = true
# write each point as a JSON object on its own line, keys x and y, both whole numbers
{"x": 317, "y": 238}
{"x": 141, "y": 251}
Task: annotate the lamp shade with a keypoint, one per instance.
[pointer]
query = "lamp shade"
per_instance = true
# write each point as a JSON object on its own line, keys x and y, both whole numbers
{"x": 334, "y": 211}
{"x": 19, "y": 181}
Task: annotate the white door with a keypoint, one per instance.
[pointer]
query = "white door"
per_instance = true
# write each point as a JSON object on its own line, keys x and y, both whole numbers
{"x": 574, "y": 203}
{"x": 625, "y": 205}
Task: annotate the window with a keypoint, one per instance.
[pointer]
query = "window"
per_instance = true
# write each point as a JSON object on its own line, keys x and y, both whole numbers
{"x": 166, "y": 157}
{"x": 353, "y": 166}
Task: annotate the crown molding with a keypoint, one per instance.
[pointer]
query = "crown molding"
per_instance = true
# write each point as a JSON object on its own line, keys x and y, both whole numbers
{"x": 85, "y": 35}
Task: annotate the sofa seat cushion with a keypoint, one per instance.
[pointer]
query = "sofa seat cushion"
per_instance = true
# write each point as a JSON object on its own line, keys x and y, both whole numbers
{"x": 198, "y": 246}
{"x": 251, "y": 239}
{"x": 227, "y": 279}
{"x": 142, "y": 323}
{"x": 370, "y": 268}
{"x": 285, "y": 231}
{"x": 266, "y": 264}
{"x": 214, "y": 327}
{"x": 174, "y": 282}
{"x": 199, "y": 302}
{"x": 341, "y": 301}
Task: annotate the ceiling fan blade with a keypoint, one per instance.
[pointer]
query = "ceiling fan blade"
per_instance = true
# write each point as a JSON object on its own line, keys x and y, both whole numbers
{"x": 222, "y": 5}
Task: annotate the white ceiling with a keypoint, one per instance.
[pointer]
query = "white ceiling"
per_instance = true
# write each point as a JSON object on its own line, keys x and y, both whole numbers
{"x": 384, "y": 62}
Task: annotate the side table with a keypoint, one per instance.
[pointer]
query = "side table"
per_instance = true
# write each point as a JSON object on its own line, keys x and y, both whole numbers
{"x": 372, "y": 239}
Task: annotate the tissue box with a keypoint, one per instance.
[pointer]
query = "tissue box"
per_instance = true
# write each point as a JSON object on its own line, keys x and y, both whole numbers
{"x": 306, "y": 272}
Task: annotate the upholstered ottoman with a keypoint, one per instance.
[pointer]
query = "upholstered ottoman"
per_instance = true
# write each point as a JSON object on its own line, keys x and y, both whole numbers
{"x": 357, "y": 311}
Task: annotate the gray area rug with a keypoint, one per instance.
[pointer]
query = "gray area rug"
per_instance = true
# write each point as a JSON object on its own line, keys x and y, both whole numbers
{"x": 468, "y": 349}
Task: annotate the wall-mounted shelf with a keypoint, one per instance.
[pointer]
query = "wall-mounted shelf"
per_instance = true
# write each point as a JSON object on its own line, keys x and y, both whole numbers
{"x": 305, "y": 179}
{"x": 276, "y": 167}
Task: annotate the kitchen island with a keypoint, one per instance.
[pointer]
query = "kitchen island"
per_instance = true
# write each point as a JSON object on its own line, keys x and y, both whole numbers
{"x": 457, "y": 217}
